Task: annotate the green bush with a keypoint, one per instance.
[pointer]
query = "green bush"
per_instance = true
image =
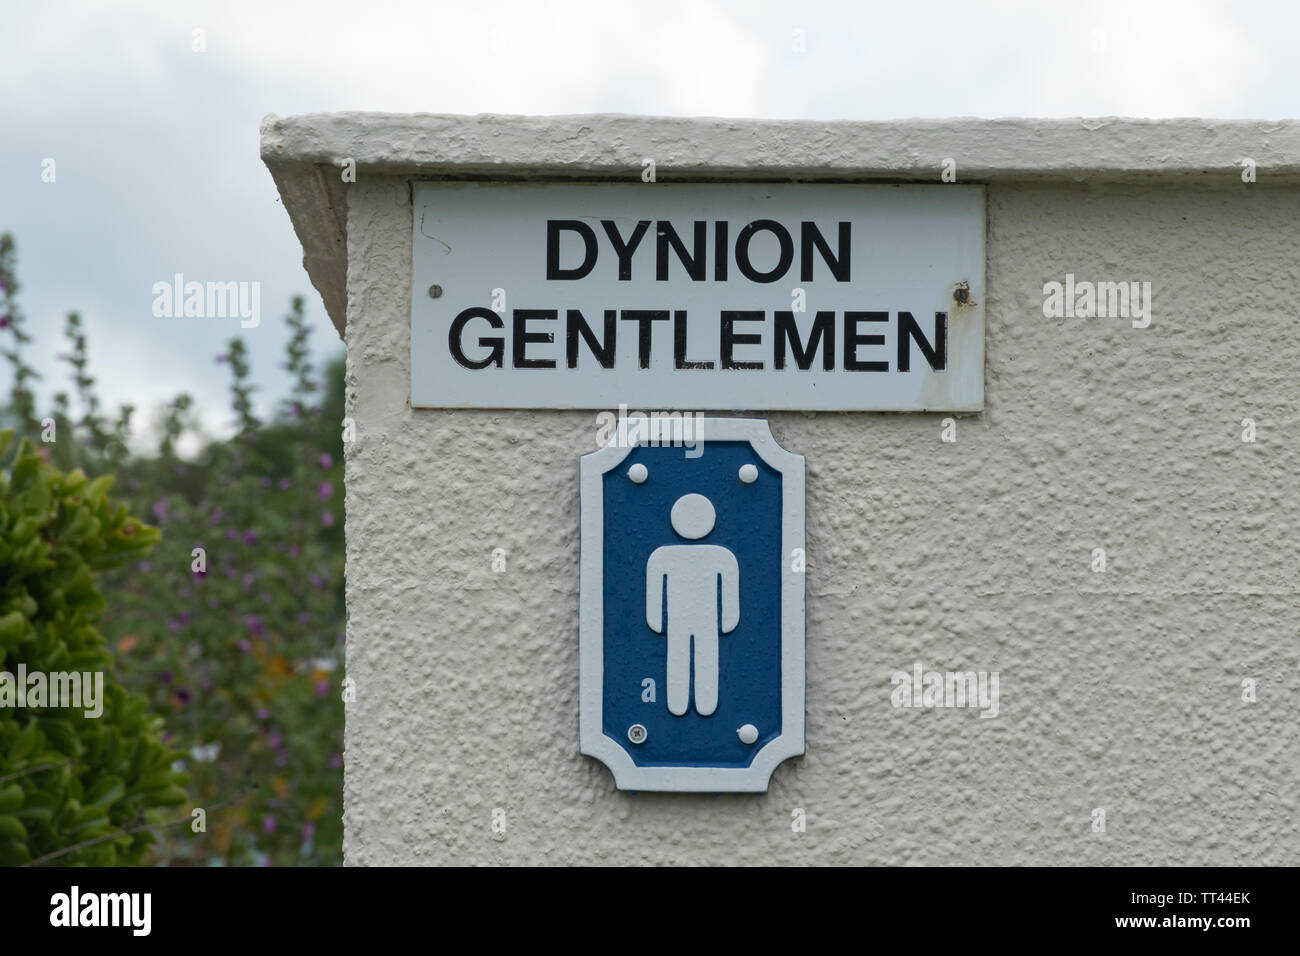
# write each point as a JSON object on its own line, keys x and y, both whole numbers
{"x": 232, "y": 629}
{"x": 73, "y": 789}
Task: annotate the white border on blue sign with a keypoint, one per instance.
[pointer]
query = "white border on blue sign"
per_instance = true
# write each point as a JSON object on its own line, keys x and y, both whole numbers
{"x": 592, "y": 738}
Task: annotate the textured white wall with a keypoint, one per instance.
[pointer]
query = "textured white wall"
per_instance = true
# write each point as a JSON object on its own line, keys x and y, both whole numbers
{"x": 1119, "y": 690}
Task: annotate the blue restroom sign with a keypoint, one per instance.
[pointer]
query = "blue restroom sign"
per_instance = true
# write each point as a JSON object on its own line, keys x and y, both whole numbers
{"x": 692, "y": 604}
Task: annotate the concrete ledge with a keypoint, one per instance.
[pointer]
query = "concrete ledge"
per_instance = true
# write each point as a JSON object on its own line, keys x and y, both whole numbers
{"x": 302, "y": 153}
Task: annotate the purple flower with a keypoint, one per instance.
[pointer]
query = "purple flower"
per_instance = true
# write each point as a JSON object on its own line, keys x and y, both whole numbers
{"x": 275, "y": 740}
{"x": 173, "y": 624}
{"x": 285, "y": 484}
{"x": 293, "y": 551}
{"x": 245, "y": 645}
{"x": 266, "y": 482}
{"x": 318, "y": 582}
{"x": 4, "y": 321}
{"x": 308, "y": 832}
{"x": 268, "y": 824}
{"x": 324, "y": 491}
{"x": 209, "y": 683}
{"x": 145, "y": 567}
{"x": 322, "y": 688}
{"x": 263, "y": 714}
{"x": 327, "y": 518}
{"x": 304, "y": 617}
{"x": 183, "y": 696}
{"x": 336, "y": 761}
{"x": 221, "y": 358}
{"x": 254, "y": 624}
{"x": 165, "y": 677}
{"x": 249, "y": 578}
{"x": 250, "y": 537}
{"x": 325, "y": 460}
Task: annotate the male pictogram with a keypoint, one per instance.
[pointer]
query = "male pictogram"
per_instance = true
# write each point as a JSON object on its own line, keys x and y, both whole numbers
{"x": 699, "y": 580}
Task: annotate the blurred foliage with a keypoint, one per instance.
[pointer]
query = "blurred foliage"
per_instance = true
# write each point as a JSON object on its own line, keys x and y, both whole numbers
{"x": 232, "y": 629}
{"x": 73, "y": 788}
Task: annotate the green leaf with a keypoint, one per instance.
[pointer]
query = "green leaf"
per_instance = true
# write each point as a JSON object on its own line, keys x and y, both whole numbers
{"x": 13, "y": 626}
{"x": 62, "y": 737}
{"x": 37, "y": 806}
{"x": 170, "y": 797}
{"x": 14, "y": 853}
{"x": 24, "y": 744}
{"x": 11, "y": 798}
{"x": 106, "y": 791}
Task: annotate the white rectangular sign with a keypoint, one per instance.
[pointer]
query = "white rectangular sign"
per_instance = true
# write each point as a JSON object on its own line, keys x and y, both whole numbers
{"x": 698, "y": 296}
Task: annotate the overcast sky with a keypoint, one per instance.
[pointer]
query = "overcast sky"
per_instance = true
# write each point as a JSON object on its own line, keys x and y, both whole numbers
{"x": 156, "y": 145}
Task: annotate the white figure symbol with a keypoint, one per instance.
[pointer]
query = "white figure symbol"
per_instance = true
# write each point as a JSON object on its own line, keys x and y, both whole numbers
{"x": 702, "y": 580}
